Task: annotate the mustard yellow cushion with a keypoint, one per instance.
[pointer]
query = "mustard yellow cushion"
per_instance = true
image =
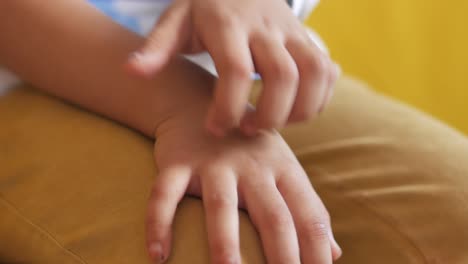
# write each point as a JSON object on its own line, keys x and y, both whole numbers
{"x": 74, "y": 186}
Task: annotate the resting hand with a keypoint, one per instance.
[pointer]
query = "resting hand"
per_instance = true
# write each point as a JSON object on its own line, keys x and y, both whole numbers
{"x": 259, "y": 174}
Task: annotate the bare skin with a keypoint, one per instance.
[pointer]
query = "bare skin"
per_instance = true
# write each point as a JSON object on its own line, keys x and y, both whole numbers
{"x": 244, "y": 36}
{"x": 78, "y": 56}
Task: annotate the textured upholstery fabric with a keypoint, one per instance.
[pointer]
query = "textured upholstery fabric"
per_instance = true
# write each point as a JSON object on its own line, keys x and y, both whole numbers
{"x": 73, "y": 186}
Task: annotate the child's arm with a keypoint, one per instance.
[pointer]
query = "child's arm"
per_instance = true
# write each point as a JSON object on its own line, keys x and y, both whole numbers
{"x": 70, "y": 50}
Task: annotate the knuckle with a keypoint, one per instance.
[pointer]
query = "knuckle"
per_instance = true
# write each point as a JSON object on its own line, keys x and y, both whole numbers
{"x": 316, "y": 63}
{"x": 314, "y": 231}
{"x": 238, "y": 69}
{"x": 285, "y": 72}
{"x": 293, "y": 168}
{"x": 155, "y": 225}
{"x": 158, "y": 193}
{"x": 268, "y": 22}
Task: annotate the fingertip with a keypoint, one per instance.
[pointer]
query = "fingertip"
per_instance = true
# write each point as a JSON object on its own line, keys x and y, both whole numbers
{"x": 156, "y": 252}
{"x": 248, "y": 126}
{"x": 212, "y": 125}
{"x": 214, "y": 129}
{"x": 167, "y": 191}
{"x": 133, "y": 70}
{"x": 145, "y": 64}
{"x": 158, "y": 244}
{"x": 249, "y": 129}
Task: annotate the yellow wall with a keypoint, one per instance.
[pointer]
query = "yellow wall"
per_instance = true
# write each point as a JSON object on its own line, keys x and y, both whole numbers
{"x": 415, "y": 50}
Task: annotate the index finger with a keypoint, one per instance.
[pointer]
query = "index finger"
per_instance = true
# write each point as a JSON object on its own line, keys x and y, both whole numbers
{"x": 230, "y": 51}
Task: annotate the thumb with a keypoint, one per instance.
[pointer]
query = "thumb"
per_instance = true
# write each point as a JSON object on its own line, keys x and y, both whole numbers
{"x": 170, "y": 34}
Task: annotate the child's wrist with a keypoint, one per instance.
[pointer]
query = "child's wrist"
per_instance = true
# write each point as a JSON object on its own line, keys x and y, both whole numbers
{"x": 183, "y": 92}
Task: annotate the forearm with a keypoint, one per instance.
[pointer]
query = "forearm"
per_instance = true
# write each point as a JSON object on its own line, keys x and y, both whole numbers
{"x": 72, "y": 51}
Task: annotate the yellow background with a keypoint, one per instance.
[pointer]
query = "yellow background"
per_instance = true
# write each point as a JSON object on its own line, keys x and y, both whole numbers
{"x": 415, "y": 50}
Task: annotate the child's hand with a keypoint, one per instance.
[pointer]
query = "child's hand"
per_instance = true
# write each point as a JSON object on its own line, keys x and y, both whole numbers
{"x": 260, "y": 174}
{"x": 244, "y": 36}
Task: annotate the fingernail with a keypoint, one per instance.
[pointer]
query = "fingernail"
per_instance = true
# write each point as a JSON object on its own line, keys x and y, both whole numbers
{"x": 156, "y": 252}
